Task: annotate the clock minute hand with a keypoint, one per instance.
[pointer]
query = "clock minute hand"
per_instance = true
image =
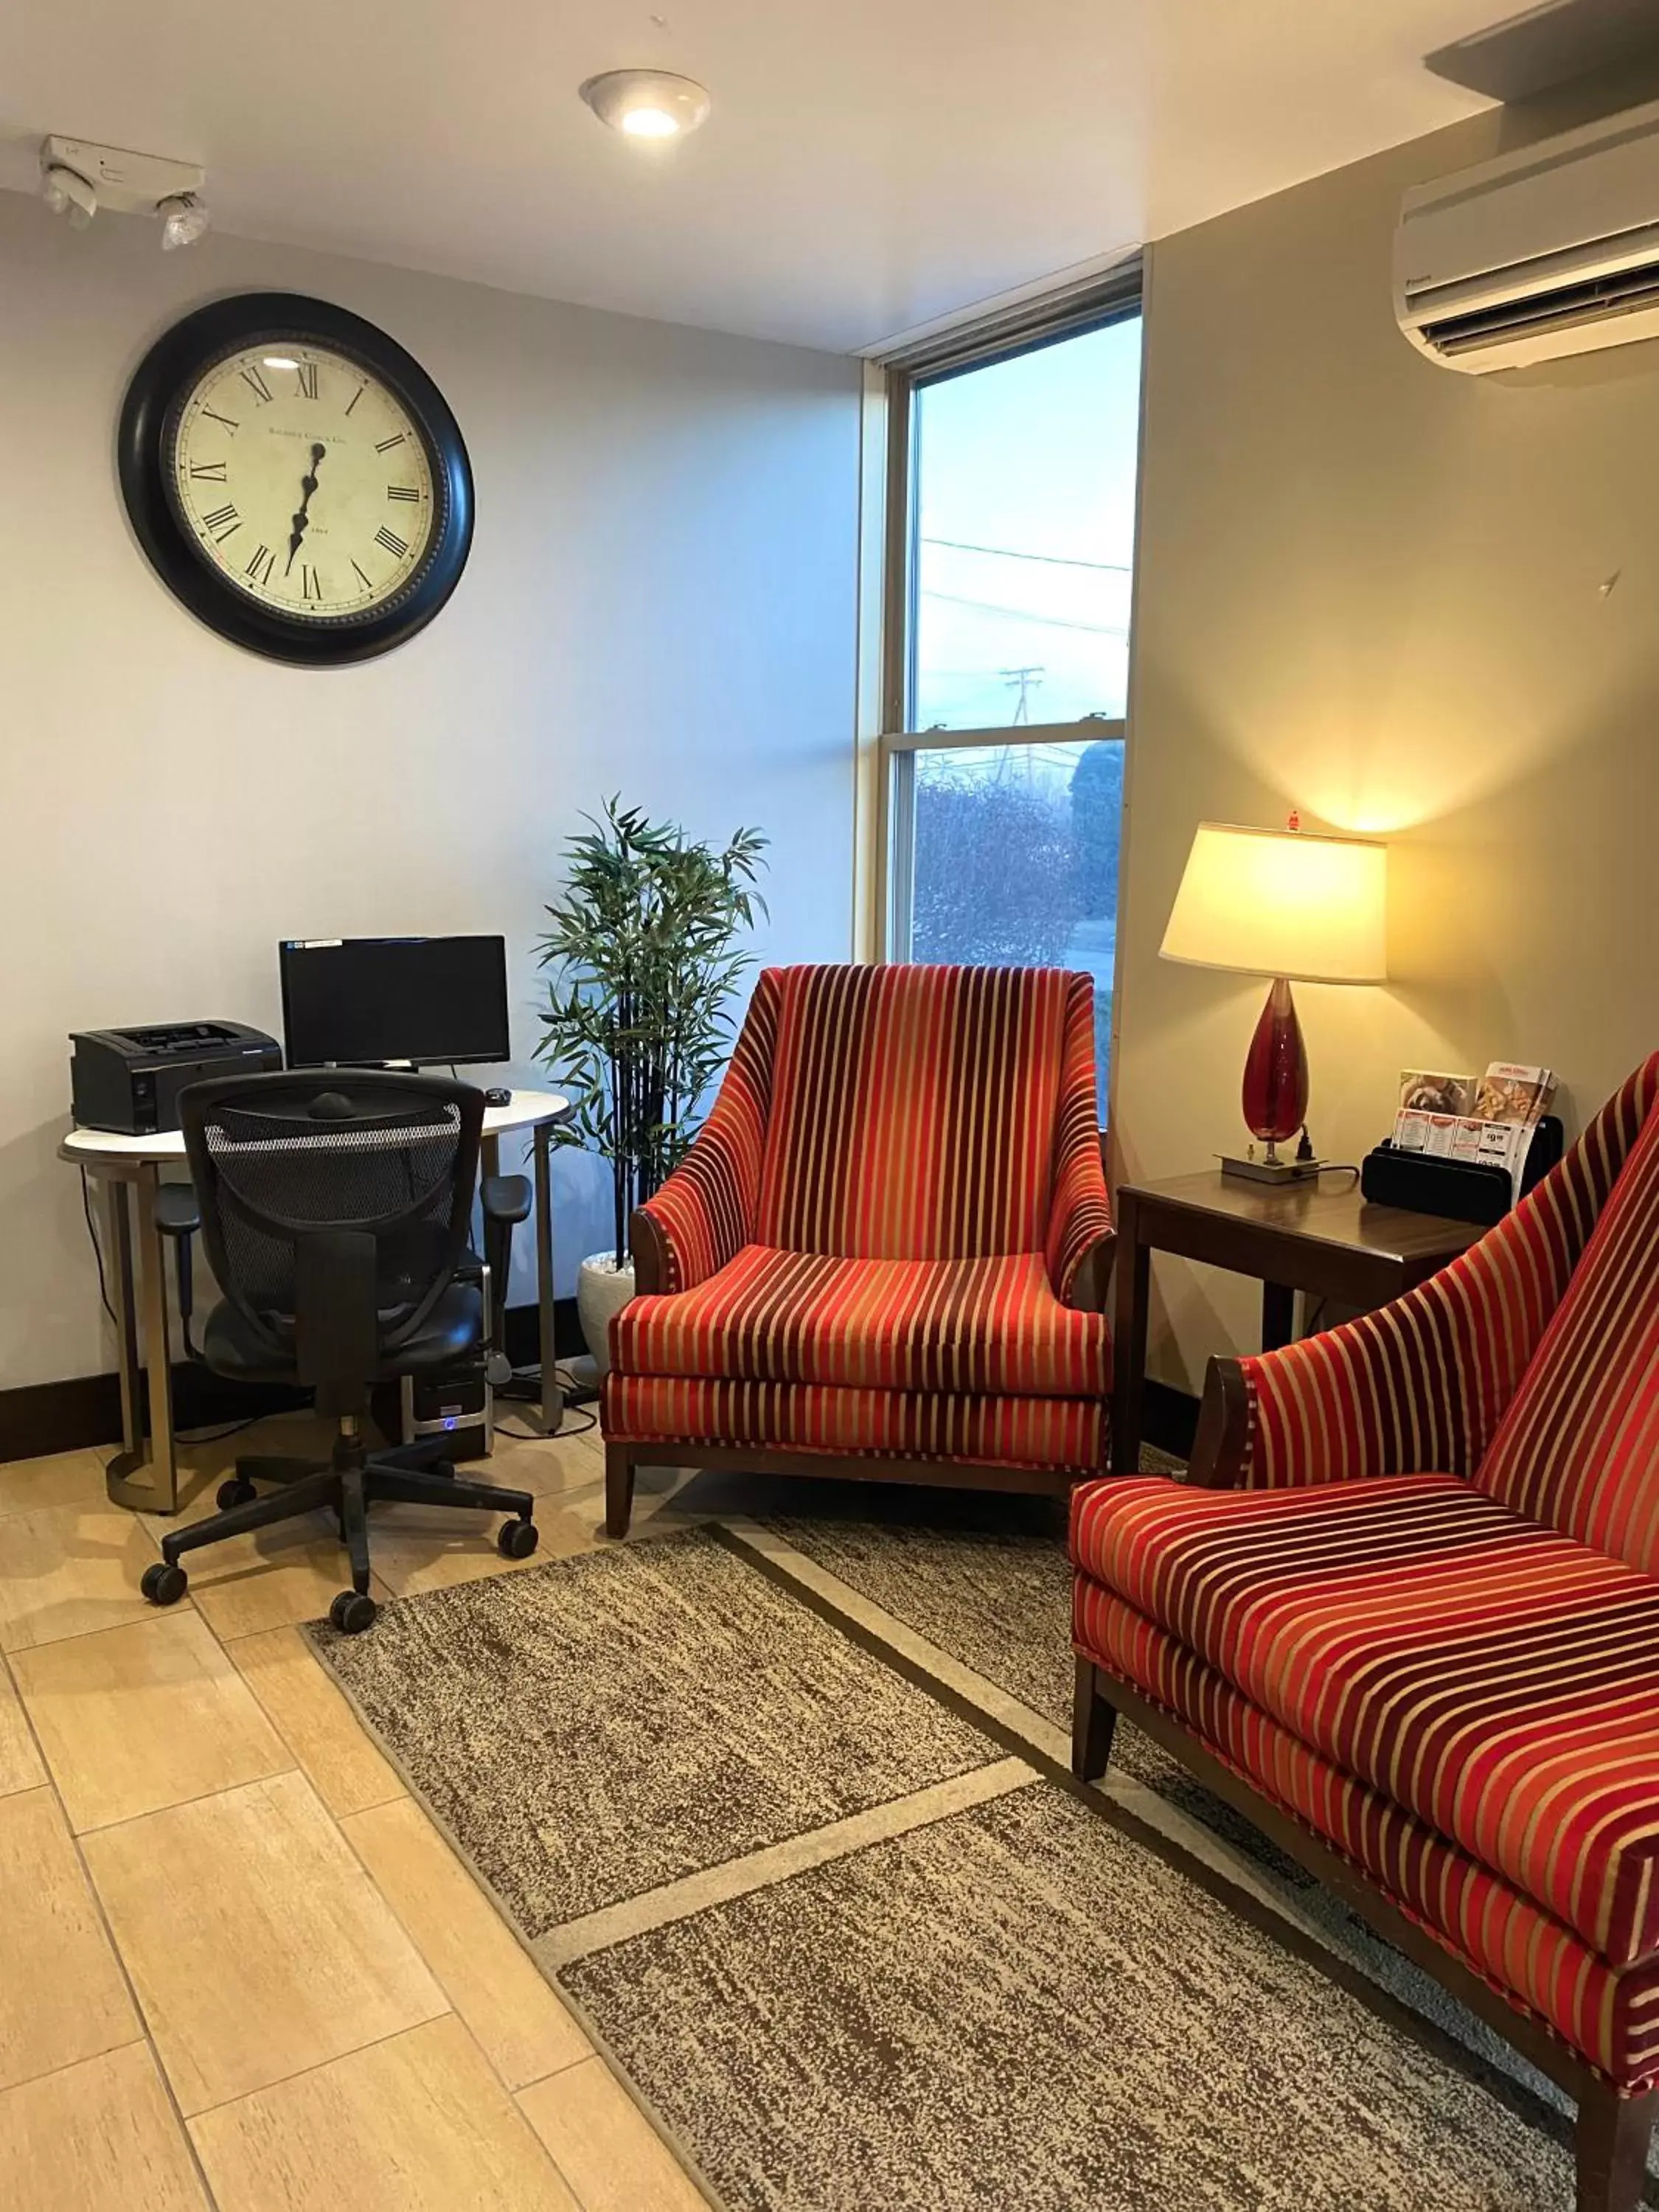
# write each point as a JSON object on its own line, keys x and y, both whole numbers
{"x": 307, "y": 485}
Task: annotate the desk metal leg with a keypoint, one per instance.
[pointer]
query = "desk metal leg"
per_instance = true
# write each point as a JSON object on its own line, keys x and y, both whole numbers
{"x": 118, "y": 1214}
{"x": 160, "y": 1493}
{"x": 552, "y": 1395}
{"x": 1129, "y": 1339}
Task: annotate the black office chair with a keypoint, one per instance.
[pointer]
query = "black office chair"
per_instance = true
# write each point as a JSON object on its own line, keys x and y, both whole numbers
{"x": 336, "y": 1209}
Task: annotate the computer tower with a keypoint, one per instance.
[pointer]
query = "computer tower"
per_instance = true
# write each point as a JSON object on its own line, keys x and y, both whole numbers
{"x": 454, "y": 1402}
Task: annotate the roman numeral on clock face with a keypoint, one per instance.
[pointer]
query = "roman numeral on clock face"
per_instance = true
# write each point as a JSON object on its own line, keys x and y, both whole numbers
{"x": 392, "y": 543}
{"x": 311, "y": 584}
{"x": 385, "y": 445}
{"x": 213, "y": 416}
{"x": 260, "y": 568}
{"x": 401, "y": 491}
{"x": 223, "y": 523}
{"x": 255, "y": 381}
{"x": 362, "y": 578}
{"x": 306, "y": 371}
{"x": 207, "y": 471}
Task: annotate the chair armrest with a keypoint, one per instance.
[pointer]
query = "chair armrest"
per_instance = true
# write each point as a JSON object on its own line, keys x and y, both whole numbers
{"x": 506, "y": 1197}
{"x": 1078, "y": 1251}
{"x": 649, "y": 1248}
{"x": 1221, "y": 1447}
{"x": 1092, "y": 1277}
{"x": 699, "y": 1216}
{"x": 178, "y": 1216}
{"x": 176, "y": 1211}
{"x": 1408, "y": 1389}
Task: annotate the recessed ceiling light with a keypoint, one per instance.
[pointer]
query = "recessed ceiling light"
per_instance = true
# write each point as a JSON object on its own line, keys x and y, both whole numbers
{"x": 647, "y": 103}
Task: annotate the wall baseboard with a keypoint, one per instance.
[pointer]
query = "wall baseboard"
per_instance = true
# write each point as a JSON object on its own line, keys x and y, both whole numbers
{"x": 39, "y": 1419}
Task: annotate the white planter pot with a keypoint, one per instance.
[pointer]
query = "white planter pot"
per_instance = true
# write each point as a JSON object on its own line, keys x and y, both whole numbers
{"x": 603, "y": 1289}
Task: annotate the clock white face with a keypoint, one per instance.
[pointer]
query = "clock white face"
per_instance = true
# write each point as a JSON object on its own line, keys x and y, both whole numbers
{"x": 304, "y": 481}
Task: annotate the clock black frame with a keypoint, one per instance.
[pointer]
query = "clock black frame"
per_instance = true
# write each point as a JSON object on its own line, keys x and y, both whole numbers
{"x": 167, "y": 376}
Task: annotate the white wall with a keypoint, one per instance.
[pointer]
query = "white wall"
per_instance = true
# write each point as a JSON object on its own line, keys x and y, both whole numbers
{"x": 661, "y": 600}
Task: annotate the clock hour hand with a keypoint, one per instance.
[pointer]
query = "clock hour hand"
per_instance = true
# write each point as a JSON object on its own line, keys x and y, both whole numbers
{"x": 307, "y": 485}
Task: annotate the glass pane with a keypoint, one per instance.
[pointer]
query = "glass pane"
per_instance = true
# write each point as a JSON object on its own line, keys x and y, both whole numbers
{"x": 1015, "y": 861}
{"x": 1024, "y": 520}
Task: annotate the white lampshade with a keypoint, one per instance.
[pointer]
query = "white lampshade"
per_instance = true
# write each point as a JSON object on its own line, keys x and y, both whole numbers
{"x": 1280, "y": 902}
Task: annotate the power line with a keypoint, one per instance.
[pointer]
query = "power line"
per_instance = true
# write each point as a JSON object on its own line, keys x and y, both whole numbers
{"x": 1024, "y": 614}
{"x": 1049, "y": 560}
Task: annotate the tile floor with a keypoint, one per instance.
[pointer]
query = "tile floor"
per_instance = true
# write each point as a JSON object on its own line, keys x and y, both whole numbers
{"x": 243, "y": 1968}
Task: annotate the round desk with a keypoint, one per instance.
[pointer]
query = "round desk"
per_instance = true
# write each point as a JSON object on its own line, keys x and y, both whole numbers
{"x": 130, "y": 1171}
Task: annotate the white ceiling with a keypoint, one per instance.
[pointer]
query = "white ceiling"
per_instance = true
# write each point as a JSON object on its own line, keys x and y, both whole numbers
{"x": 869, "y": 167}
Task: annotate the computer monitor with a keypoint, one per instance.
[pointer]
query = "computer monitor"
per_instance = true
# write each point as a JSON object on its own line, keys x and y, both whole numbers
{"x": 363, "y": 1000}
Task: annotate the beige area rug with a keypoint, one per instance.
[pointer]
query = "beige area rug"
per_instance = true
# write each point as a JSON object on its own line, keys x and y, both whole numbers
{"x": 819, "y": 1884}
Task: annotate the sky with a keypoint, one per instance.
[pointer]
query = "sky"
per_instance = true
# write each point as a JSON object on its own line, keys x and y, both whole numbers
{"x": 1026, "y": 492}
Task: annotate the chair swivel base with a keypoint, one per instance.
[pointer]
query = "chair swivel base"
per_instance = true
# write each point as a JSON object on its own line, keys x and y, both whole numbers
{"x": 412, "y": 1474}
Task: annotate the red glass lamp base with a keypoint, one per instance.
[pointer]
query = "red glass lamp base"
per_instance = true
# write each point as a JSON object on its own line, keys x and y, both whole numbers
{"x": 1275, "y": 1096}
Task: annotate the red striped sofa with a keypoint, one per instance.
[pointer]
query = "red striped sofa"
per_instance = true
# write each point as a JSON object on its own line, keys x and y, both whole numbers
{"x": 1406, "y": 1616}
{"x": 883, "y": 1255}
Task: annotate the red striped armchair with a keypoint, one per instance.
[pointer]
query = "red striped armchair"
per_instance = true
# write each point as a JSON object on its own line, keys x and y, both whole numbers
{"x": 884, "y": 1254}
{"x": 1406, "y": 1616}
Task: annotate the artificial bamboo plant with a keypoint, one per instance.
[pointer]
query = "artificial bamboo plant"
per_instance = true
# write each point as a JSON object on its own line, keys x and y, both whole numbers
{"x": 641, "y": 946}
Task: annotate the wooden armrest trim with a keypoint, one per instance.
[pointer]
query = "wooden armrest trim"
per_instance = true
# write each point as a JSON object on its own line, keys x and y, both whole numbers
{"x": 649, "y": 1249}
{"x": 1222, "y": 1444}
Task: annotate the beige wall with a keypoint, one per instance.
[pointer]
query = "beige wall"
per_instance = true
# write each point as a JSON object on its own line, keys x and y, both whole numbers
{"x": 1378, "y": 591}
{"x": 661, "y": 600}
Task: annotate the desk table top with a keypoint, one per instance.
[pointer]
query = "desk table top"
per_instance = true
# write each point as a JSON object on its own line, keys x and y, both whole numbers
{"x": 92, "y": 1148}
{"x": 1325, "y": 1212}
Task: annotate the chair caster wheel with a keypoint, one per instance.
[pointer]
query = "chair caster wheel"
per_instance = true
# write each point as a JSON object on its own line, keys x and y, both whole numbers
{"x": 236, "y": 1490}
{"x": 351, "y": 1612}
{"x": 516, "y": 1539}
{"x": 164, "y": 1584}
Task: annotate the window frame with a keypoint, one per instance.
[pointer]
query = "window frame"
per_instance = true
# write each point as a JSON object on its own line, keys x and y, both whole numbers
{"x": 1029, "y": 326}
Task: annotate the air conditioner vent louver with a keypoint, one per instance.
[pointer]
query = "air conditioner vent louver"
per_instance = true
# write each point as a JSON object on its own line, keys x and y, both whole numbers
{"x": 1575, "y": 307}
{"x": 1548, "y": 251}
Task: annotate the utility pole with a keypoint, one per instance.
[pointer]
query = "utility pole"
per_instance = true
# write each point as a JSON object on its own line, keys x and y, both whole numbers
{"x": 1027, "y": 680}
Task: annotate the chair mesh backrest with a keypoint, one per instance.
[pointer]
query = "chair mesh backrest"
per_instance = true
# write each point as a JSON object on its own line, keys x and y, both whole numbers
{"x": 394, "y": 1156}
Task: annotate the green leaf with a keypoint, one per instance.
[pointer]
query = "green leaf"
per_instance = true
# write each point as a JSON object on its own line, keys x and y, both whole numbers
{"x": 644, "y": 964}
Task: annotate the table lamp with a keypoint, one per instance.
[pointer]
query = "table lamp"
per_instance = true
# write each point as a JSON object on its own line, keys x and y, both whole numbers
{"x": 1278, "y": 903}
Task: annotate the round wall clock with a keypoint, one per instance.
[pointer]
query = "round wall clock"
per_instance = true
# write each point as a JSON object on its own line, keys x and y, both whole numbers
{"x": 295, "y": 478}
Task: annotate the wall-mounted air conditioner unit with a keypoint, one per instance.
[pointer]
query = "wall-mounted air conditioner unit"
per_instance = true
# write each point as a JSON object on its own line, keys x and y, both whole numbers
{"x": 1552, "y": 251}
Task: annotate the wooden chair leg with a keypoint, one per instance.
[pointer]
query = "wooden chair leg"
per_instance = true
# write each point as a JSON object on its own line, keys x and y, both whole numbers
{"x": 1092, "y": 1722}
{"x": 1611, "y": 2140}
{"x": 618, "y": 1489}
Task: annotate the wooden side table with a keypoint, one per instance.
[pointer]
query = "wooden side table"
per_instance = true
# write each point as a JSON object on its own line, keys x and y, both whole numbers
{"x": 1320, "y": 1237}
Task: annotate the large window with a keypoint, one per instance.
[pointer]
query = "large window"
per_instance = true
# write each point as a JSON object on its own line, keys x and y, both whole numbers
{"x": 1012, "y": 552}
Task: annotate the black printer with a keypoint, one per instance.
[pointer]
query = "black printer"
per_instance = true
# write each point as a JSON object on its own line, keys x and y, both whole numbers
{"x": 129, "y": 1080}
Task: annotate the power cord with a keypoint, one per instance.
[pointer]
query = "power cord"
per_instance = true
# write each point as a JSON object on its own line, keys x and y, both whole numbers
{"x": 217, "y": 1435}
{"x": 525, "y": 1389}
{"x": 1304, "y": 1158}
{"x": 97, "y": 1249}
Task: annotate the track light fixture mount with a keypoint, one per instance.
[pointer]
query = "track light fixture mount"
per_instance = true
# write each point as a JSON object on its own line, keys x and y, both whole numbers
{"x": 78, "y": 178}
